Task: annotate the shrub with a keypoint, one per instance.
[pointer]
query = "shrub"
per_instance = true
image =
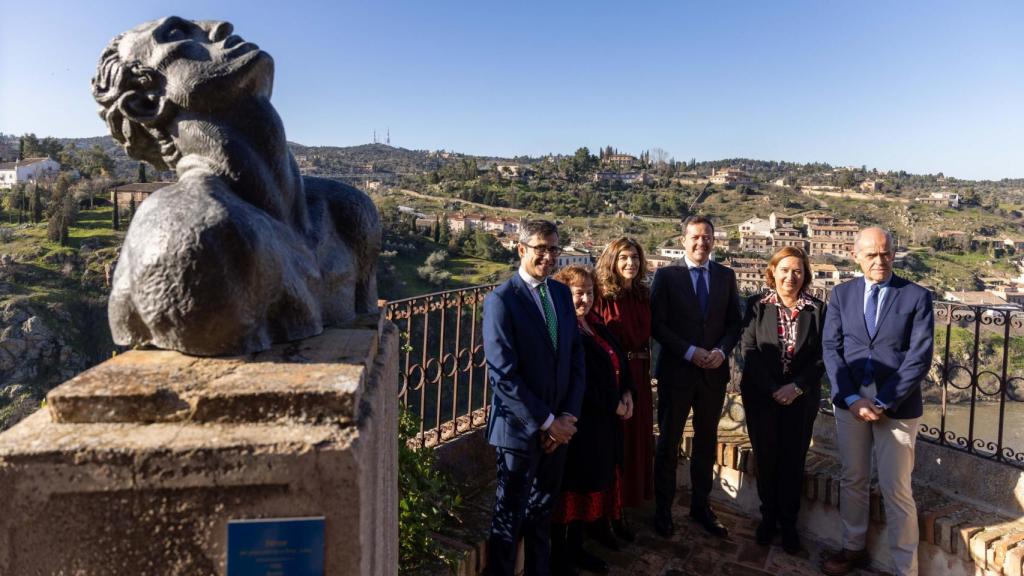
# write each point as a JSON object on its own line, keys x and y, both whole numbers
{"x": 426, "y": 502}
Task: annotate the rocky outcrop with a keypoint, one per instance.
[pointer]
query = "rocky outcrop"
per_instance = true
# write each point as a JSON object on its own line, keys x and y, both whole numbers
{"x": 42, "y": 346}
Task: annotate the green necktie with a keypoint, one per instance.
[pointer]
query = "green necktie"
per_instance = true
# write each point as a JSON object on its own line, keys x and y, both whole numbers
{"x": 549, "y": 314}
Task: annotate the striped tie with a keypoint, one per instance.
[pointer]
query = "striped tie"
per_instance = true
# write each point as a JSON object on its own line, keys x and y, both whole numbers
{"x": 549, "y": 314}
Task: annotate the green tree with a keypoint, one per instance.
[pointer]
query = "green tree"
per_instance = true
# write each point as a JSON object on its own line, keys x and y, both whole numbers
{"x": 22, "y": 203}
{"x": 582, "y": 160}
{"x": 36, "y": 204}
{"x": 131, "y": 208}
{"x": 96, "y": 163}
{"x": 28, "y": 146}
{"x": 444, "y": 237}
{"x": 142, "y": 172}
{"x": 845, "y": 179}
{"x": 433, "y": 269}
{"x": 62, "y": 210}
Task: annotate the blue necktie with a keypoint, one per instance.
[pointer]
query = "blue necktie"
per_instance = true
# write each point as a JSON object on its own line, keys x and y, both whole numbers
{"x": 871, "y": 319}
{"x": 871, "y": 310}
{"x": 702, "y": 292}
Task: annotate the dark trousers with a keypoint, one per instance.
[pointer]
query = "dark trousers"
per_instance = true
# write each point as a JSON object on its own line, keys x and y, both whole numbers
{"x": 780, "y": 436}
{"x": 675, "y": 399}
{"x": 528, "y": 485}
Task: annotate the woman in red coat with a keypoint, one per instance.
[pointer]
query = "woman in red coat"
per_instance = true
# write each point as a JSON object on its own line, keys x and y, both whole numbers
{"x": 623, "y": 303}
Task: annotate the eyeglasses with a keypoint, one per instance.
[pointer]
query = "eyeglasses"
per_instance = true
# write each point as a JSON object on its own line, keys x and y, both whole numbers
{"x": 544, "y": 249}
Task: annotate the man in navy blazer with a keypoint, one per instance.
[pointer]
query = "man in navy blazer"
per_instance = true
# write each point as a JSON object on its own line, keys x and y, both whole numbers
{"x": 877, "y": 343}
{"x": 535, "y": 365}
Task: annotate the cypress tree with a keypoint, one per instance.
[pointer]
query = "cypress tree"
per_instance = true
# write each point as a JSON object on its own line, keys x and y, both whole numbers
{"x": 36, "y": 205}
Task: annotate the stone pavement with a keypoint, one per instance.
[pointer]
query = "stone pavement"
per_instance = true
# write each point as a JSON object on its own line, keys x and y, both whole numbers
{"x": 692, "y": 552}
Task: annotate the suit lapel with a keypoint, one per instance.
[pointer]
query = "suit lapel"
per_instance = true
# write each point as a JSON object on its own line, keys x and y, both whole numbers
{"x": 715, "y": 295}
{"x": 859, "y": 298}
{"x": 523, "y": 291}
{"x": 564, "y": 311}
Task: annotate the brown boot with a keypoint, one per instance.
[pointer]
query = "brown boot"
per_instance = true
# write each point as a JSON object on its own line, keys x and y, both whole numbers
{"x": 844, "y": 561}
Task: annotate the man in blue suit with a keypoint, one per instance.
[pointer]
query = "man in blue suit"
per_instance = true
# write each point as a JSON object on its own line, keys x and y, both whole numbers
{"x": 877, "y": 342}
{"x": 535, "y": 366}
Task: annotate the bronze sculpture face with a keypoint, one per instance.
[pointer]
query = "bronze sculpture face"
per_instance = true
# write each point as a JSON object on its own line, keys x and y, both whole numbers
{"x": 242, "y": 251}
{"x": 202, "y": 61}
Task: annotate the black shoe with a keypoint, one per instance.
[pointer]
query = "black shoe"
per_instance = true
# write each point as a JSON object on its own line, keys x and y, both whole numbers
{"x": 587, "y": 561}
{"x": 622, "y": 530}
{"x": 791, "y": 540}
{"x": 765, "y": 533}
{"x": 664, "y": 526}
{"x": 561, "y": 563}
{"x": 565, "y": 568}
{"x": 601, "y": 532}
{"x": 707, "y": 519}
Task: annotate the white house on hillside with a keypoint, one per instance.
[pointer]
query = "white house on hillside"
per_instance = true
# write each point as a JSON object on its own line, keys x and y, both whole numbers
{"x": 572, "y": 255}
{"x": 26, "y": 170}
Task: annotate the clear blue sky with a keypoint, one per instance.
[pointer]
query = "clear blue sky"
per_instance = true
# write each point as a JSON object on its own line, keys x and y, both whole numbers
{"x": 924, "y": 86}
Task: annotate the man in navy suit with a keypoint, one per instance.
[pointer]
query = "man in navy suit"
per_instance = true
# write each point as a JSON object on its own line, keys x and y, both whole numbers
{"x": 535, "y": 366}
{"x": 695, "y": 318}
{"x": 877, "y": 343}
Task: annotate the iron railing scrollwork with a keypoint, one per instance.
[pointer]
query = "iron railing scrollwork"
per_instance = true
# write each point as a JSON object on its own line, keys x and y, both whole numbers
{"x": 443, "y": 375}
{"x": 978, "y": 362}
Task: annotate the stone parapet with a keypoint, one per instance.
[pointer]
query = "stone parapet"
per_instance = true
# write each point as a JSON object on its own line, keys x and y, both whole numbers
{"x": 957, "y": 535}
{"x": 137, "y": 465}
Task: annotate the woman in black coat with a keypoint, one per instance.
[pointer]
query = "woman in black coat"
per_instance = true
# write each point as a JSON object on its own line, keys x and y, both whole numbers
{"x": 591, "y": 492}
{"x": 781, "y": 388}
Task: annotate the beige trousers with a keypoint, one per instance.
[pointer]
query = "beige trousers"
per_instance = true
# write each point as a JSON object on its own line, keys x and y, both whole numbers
{"x": 893, "y": 444}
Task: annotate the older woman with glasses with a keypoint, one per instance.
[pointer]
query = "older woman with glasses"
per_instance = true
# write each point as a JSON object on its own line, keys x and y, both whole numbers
{"x": 781, "y": 388}
{"x": 592, "y": 478}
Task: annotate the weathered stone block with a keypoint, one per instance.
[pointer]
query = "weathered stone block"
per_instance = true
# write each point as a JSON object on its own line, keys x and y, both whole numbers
{"x": 305, "y": 429}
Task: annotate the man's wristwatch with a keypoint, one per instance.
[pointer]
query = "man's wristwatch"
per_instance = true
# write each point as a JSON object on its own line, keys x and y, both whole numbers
{"x": 799, "y": 390}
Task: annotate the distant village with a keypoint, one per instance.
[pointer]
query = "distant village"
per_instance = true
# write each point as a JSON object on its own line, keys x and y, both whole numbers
{"x": 828, "y": 240}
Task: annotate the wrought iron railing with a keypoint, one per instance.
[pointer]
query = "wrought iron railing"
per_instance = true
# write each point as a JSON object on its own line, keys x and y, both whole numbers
{"x": 443, "y": 375}
{"x": 972, "y": 390}
{"x": 978, "y": 375}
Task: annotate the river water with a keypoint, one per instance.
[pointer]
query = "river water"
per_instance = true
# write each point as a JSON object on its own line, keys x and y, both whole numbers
{"x": 986, "y": 421}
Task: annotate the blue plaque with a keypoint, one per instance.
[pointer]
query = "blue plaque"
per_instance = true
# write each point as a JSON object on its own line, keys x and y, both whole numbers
{"x": 276, "y": 547}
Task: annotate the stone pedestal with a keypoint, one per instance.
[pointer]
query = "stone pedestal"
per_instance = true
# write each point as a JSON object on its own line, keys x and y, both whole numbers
{"x": 136, "y": 466}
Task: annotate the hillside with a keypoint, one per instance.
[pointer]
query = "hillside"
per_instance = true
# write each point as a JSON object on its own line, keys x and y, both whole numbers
{"x": 53, "y": 298}
{"x": 52, "y": 307}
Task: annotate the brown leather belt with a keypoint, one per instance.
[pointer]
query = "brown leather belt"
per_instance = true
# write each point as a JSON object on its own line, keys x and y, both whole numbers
{"x": 638, "y": 355}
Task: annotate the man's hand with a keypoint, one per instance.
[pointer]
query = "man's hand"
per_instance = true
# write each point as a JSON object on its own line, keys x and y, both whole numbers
{"x": 562, "y": 428}
{"x": 625, "y": 408}
{"x": 699, "y": 357}
{"x": 786, "y": 395}
{"x": 548, "y": 444}
{"x": 713, "y": 359}
{"x": 865, "y": 411}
